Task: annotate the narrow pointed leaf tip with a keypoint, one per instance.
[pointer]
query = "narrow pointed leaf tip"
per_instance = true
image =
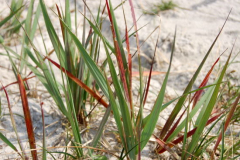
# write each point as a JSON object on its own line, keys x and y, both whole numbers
{"x": 181, "y": 101}
{"x": 150, "y": 74}
{"x": 157, "y": 108}
{"x": 208, "y": 110}
{"x": 197, "y": 95}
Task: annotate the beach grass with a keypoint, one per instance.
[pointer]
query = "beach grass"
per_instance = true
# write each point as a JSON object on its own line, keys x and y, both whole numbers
{"x": 86, "y": 84}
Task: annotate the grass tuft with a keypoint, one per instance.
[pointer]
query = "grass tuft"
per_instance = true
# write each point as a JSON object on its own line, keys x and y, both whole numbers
{"x": 78, "y": 85}
{"x": 163, "y": 6}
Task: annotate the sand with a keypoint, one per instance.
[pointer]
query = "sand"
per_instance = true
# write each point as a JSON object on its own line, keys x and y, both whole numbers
{"x": 198, "y": 23}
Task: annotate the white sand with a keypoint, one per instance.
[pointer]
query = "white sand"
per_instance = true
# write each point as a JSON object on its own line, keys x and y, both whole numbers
{"x": 197, "y": 26}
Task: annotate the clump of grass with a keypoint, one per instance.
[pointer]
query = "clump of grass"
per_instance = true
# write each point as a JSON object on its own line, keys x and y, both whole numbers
{"x": 163, "y": 6}
{"x": 82, "y": 79}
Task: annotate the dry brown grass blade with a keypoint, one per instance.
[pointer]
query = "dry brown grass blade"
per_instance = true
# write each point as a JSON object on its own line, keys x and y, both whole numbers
{"x": 166, "y": 147}
{"x": 228, "y": 120}
{"x": 16, "y": 82}
{"x": 190, "y": 133}
{"x": 27, "y": 116}
{"x": 150, "y": 74}
{"x": 61, "y": 24}
{"x": 113, "y": 153}
{"x": 14, "y": 124}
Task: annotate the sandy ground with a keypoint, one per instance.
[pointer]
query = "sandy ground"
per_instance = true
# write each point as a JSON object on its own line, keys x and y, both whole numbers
{"x": 198, "y": 23}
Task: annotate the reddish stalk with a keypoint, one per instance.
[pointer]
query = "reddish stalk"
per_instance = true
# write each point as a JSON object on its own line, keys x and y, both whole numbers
{"x": 198, "y": 94}
{"x": 80, "y": 83}
{"x": 118, "y": 55}
{"x": 150, "y": 74}
{"x": 14, "y": 125}
{"x": 27, "y": 117}
{"x": 190, "y": 133}
{"x": 166, "y": 147}
{"x": 129, "y": 67}
{"x": 228, "y": 120}
{"x": 61, "y": 23}
{"x": 25, "y": 79}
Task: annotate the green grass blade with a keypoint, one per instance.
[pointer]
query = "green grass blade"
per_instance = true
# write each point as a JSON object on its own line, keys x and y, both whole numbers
{"x": 68, "y": 47}
{"x": 97, "y": 30}
{"x": 208, "y": 111}
{"x": 222, "y": 148}
{"x": 45, "y": 78}
{"x": 95, "y": 71}
{"x": 126, "y": 118}
{"x": 186, "y": 129}
{"x": 207, "y": 133}
{"x": 204, "y": 100}
{"x": 72, "y": 117}
{"x": 14, "y": 6}
{"x": 118, "y": 37}
{"x": 51, "y": 85}
{"x": 152, "y": 120}
{"x": 44, "y": 152}
{"x": 117, "y": 115}
{"x": 179, "y": 104}
{"x": 35, "y": 22}
{"x": 28, "y": 21}
{"x": 5, "y": 140}
{"x": 119, "y": 54}
{"x": 101, "y": 127}
{"x": 28, "y": 27}
{"x": 190, "y": 133}
{"x": 10, "y": 16}
{"x": 81, "y": 84}
{"x": 53, "y": 36}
